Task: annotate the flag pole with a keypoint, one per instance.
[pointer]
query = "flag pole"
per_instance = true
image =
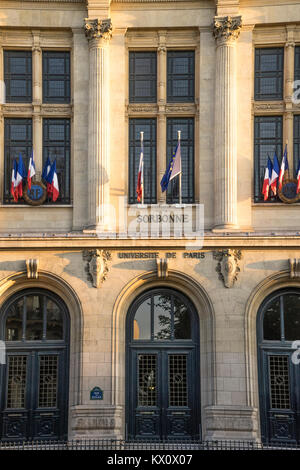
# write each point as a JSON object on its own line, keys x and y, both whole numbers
{"x": 142, "y": 176}
{"x": 286, "y": 143}
{"x": 180, "y": 191}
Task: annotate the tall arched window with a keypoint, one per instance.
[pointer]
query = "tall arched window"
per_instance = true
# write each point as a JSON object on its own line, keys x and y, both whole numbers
{"x": 278, "y": 326}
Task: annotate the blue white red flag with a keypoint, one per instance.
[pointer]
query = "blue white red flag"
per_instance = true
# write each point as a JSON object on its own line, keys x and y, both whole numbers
{"x": 267, "y": 179}
{"x": 173, "y": 169}
{"x": 46, "y": 169}
{"x": 52, "y": 180}
{"x": 140, "y": 179}
{"x": 13, "y": 187}
{"x": 31, "y": 171}
{"x": 275, "y": 174}
{"x": 21, "y": 174}
{"x": 298, "y": 178}
{"x": 284, "y": 167}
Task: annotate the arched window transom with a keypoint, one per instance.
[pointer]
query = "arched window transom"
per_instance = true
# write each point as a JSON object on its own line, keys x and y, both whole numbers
{"x": 281, "y": 317}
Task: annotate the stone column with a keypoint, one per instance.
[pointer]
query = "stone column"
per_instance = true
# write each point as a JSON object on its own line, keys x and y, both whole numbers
{"x": 288, "y": 92}
{"x": 226, "y": 32}
{"x": 37, "y": 75}
{"x": 98, "y": 33}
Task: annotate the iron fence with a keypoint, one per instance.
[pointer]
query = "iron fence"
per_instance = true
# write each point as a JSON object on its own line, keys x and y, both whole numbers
{"x": 146, "y": 445}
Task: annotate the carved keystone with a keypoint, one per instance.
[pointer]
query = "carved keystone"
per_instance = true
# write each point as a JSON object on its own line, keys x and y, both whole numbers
{"x": 162, "y": 267}
{"x": 227, "y": 267}
{"x": 32, "y": 266}
{"x": 294, "y": 268}
{"x": 97, "y": 265}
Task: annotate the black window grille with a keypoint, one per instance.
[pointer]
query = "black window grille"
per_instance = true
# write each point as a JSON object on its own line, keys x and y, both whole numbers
{"x": 297, "y": 63}
{"x": 17, "y": 140}
{"x": 57, "y": 145}
{"x": 268, "y": 73}
{"x": 180, "y": 76}
{"x": 267, "y": 139}
{"x": 296, "y": 141}
{"x": 148, "y": 126}
{"x": 56, "y": 77}
{"x": 186, "y": 126}
{"x": 142, "y": 77}
{"x": 18, "y": 76}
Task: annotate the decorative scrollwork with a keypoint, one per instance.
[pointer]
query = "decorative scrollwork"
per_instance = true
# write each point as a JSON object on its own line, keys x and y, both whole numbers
{"x": 97, "y": 265}
{"x": 227, "y": 267}
{"x": 97, "y": 29}
{"x": 227, "y": 27}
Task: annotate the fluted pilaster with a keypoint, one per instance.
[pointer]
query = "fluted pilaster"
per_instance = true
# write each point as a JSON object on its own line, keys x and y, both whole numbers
{"x": 98, "y": 33}
{"x": 226, "y": 32}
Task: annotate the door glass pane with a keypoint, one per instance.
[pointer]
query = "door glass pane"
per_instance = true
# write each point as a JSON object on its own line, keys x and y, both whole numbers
{"x": 279, "y": 382}
{"x": 48, "y": 381}
{"x": 272, "y": 321}
{"x": 291, "y": 304}
{"x": 162, "y": 316}
{"x": 34, "y": 318}
{"x": 17, "y": 369}
{"x": 147, "y": 366}
{"x": 177, "y": 375}
{"x": 182, "y": 321}
{"x": 14, "y": 322}
{"x": 142, "y": 321}
{"x": 54, "y": 321}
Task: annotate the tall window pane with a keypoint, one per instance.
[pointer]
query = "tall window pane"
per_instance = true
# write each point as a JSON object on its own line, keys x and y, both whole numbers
{"x": 297, "y": 63}
{"x": 18, "y": 76}
{"x": 17, "y": 140}
{"x": 142, "y": 77}
{"x": 267, "y": 138}
{"x": 57, "y": 145}
{"x": 296, "y": 142}
{"x": 268, "y": 73}
{"x": 186, "y": 126}
{"x": 56, "y": 77}
{"x": 180, "y": 79}
{"x": 148, "y": 126}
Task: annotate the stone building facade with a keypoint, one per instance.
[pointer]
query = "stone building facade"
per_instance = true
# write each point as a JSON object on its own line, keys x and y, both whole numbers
{"x": 113, "y": 329}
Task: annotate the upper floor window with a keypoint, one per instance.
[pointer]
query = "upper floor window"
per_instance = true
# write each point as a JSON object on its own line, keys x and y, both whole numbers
{"x": 142, "y": 77}
{"x": 180, "y": 76}
{"x": 281, "y": 316}
{"x": 268, "y": 74}
{"x": 56, "y": 77}
{"x": 18, "y": 76}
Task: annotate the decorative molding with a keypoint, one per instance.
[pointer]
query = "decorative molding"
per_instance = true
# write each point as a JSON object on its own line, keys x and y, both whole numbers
{"x": 272, "y": 106}
{"x": 162, "y": 267}
{"x": 227, "y": 267}
{"x": 227, "y": 28}
{"x": 131, "y": 108}
{"x": 294, "y": 268}
{"x": 97, "y": 265}
{"x": 32, "y": 266}
{"x": 98, "y": 29}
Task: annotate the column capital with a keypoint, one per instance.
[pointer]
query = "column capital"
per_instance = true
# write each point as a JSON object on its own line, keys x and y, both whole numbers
{"x": 226, "y": 28}
{"x": 98, "y": 29}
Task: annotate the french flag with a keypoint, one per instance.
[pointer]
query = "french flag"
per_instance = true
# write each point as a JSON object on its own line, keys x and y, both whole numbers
{"x": 275, "y": 174}
{"x": 31, "y": 171}
{"x": 52, "y": 179}
{"x": 140, "y": 179}
{"x": 267, "y": 179}
{"x": 45, "y": 174}
{"x": 298, "y": 178}
{"x": 13, "y": 188}
{"x": 21, "y": 174}
{"x": 284, "y": 168}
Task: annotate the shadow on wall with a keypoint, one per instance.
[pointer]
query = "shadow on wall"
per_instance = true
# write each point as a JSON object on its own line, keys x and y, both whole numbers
{"x": 272, "y": 265}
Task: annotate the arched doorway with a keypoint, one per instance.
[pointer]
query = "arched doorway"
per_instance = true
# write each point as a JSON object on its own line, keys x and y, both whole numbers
{"x": 34, "y": 323}
{"x": 162, "y": 367}
{"x": 278, "y": 325}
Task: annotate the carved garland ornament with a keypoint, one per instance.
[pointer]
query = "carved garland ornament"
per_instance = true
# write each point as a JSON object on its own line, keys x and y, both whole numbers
{"x": 227, "y": 267}
{"x": 97, "y": 29}
{"x": 97, "y": 265}
{"x": 227, "y": 27}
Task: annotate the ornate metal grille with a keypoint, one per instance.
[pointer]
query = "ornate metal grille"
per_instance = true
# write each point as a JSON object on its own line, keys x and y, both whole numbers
{"x": 142, "y": 77}
{"x": 177, "y": 375}
{"x": 18, "y": 76}
{"x": 57, "y": 145}
{"x": 48, "y": 381}
{"x": 56, "y": 77}
{"x": 279, "y": 382}
{"x": 147, "y": 369}
{"x": 186, "y": 126}
{"x": 267, "y": 137}
{"x": 148, "y": 126}
{"x": 297, "y": 136}
{"x": 268, "y": 73}
{"x": 181, "y": 76}
{"x": 16, "y": 386}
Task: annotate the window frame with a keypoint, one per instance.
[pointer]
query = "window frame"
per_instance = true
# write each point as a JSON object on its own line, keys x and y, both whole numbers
{"x": 259, "y": 74}
{"x": 133, "y": 77}
{"x": 190, "y": 55}
{"x": 8, "y": 75}
{"x": 66, "y": 99}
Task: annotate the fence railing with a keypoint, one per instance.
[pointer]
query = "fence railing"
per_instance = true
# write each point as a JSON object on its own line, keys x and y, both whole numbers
{"x": 142, "y": 445}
